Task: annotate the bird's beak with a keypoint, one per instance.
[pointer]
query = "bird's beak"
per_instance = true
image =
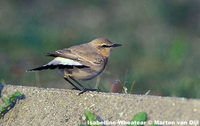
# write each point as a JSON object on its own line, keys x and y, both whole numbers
{"x": 116, "y": 45}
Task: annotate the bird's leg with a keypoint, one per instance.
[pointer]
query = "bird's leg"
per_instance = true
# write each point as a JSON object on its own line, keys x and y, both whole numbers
{"x": 75, "y": 87}
{"x": 66, "y": 76}
{"x": 84, "y": 89}
{"x": 76, "y": 82}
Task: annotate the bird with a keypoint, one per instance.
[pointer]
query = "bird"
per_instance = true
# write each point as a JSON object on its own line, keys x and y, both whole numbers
{"x": 80, "y": 62}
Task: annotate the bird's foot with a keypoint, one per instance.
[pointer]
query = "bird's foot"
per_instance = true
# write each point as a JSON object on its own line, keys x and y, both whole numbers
{"x": 86, "y": 89}
{"x": 76, "y": 89}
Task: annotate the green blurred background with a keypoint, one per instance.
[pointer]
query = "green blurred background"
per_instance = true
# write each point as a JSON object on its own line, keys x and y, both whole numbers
{"x": 161, "y": 42}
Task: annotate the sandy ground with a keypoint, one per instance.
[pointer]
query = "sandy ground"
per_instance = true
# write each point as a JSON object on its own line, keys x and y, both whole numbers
{"x": 56, "y": 107}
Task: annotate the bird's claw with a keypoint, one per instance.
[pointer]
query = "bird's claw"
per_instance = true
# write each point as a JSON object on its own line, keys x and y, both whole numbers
{"x": 76, "y": 89}
{"x": 86, "y": 89}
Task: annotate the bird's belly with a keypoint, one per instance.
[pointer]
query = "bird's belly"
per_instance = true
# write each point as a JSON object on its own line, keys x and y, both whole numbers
{"x": 82, "y": 73}
{"x": 85, "y": 74}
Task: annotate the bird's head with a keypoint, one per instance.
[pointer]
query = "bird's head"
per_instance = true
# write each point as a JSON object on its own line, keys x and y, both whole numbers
{"x": 103, "y": 46}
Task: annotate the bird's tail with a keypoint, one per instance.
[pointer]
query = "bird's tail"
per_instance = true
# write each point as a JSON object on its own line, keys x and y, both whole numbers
{"x": 41, "y": 68}
{"x": 49, "y": 66}
{"x": 60, "y": 63}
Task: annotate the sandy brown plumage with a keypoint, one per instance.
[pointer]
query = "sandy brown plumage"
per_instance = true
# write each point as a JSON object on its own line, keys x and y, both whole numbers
{"x": 82, "y": 62}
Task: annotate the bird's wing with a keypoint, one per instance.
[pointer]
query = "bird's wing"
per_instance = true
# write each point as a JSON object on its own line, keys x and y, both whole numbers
{"x": 79, "y": 56}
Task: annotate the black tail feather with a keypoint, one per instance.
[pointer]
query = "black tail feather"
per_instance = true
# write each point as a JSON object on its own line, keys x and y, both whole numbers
{"x": 39, "y": 68}
{"x": 54, "y": 67}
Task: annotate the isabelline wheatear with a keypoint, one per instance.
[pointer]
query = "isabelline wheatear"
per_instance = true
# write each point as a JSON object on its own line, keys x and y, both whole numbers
{"x": 82, "y": 62}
